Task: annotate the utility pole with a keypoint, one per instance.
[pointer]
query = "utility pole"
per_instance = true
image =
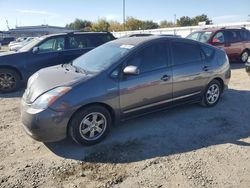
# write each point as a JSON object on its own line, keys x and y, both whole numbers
{"x": 174, "y": 19}
{"x": 124, "y": 15}
{"x": 249, "y": 17}
{"x": 7, "y": 24}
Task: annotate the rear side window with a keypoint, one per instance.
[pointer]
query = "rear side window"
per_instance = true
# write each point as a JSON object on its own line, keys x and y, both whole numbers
{"x": 105, "y": 38}
{"x": 245, "y": 35}
{"x": 233, "y": 35}
{"x": 80, "y": 41}
{"x": 151, "y": 58}
{"x": 184, "y": 53}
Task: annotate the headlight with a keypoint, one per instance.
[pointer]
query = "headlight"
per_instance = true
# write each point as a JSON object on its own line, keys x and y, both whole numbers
{"x": 45, "y": 100}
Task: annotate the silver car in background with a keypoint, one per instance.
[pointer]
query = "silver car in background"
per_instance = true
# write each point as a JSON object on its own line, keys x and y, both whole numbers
{"x": 119, "y": 80}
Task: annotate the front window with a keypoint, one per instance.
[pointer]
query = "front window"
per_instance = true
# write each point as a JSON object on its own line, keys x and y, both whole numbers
{"x": 202, "y": 36}
{"x": 219, "y": 38}
{"x": 101, "y": 57}
{"x": 53, "y": 44}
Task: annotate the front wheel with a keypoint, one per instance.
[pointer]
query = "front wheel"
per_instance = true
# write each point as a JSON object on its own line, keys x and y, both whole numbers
{"x": 9, "y": 80}
{"x": 90, "y": 125}
{"x": 212, "y": 94}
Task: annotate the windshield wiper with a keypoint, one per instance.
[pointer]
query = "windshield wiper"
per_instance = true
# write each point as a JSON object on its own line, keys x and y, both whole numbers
{"x": 78, "y": 69}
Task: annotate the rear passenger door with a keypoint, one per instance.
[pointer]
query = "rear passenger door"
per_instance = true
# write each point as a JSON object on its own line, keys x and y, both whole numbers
{"x": 78, "y": 45}
{"x": 233, "y": 44}
{"x": 189, "y": 77}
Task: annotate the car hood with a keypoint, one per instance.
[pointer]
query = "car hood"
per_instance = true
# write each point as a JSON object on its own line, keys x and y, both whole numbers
{"x": 50, "y": 78}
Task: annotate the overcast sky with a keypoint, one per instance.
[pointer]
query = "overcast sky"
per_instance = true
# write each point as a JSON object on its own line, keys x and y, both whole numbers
{"x": 60, "y": 12}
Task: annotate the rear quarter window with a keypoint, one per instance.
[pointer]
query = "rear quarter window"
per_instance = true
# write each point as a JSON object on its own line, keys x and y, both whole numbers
{"x": 207, "y": 51}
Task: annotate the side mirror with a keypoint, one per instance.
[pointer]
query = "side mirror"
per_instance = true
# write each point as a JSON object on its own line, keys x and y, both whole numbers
{"x": 35, "y": 50}
{"x": 131, "y": 70}
{"x": 215, "y": 41}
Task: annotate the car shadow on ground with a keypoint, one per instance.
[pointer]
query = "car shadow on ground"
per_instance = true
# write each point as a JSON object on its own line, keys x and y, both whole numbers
{"x": 237, "y": 65}
{"x": 182, "y": 129}
{"x": 12, "y": 94}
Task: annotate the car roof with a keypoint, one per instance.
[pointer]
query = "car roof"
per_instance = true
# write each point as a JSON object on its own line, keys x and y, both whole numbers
{"x": 214, "y": 29}
{"x": 139, "y": 40}
{"x": 75, "y": 33}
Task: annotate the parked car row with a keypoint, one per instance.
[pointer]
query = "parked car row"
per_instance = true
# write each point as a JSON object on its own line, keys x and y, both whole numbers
{"x": 15, "y": 46}
{"x": 6, "y": 40}
{"x": 83, "y": 96}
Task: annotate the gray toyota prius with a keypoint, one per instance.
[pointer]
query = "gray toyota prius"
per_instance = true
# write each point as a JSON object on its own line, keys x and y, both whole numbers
{"x": 118, "y": 80}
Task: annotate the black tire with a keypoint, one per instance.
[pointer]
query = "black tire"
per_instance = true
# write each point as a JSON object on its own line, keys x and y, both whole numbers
{"x": 14, "y": 80}
{"x": 77, "y": 124}
{"x": 206, "y": 100}
{"x": 244, "y": 56}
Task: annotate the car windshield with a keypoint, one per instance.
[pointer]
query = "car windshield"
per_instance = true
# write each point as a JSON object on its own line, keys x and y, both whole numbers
{"x": 31, "y": 44}
{"x": 101, "y": 57}
{"x": 202, "y": 36}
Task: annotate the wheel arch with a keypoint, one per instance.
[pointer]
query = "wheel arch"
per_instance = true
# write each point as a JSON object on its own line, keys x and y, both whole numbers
{"x": 106, "y": 106}
{"x": 221, "y": 82}
{"x": 12, "y": 68}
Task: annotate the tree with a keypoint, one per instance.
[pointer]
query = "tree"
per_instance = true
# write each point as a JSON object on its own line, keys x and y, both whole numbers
{"x": 149, "y": 25}
{"x": 201, "y": 18}
{"x": 101, "y": 25}
{"x": 79, "y": 24}
{"x": 187, "y": 21}
{"x": 133, "y": 24}
{"x": 165, "y": 24}
{"x": 184, "y": 21}
{"x": 115, "y": 26}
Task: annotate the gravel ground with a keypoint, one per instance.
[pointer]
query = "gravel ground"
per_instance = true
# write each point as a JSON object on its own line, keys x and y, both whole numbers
{"x": 188, "y": 146}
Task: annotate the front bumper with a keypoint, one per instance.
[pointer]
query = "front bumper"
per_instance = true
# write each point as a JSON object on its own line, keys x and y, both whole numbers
{"x": 45, "y": 126}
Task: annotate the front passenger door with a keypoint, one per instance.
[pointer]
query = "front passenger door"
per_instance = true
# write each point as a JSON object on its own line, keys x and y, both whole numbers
{"x": 153, "y": 85}
{"x": 49, "y": 54}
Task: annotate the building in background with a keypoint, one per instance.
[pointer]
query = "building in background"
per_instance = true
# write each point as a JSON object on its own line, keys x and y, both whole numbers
{"x": 36, "y": 31}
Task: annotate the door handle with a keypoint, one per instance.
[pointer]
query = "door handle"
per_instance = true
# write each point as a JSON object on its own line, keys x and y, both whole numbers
{"x": 205, "y": 68}
{"x": 165, "y": 78}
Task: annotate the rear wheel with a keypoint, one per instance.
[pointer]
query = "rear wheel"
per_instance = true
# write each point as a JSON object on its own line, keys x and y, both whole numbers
{"x": 90, "y": 125}
{"x": 9, "y": 80}
{"x": 212, "y": 94}
{"x": 244, "y": 56}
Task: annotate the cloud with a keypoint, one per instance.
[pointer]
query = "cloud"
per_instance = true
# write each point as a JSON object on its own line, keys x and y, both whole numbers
{"x": 112, "y": 16}
{"x": 228, "y": 18}
{"x": 37, "y": 12}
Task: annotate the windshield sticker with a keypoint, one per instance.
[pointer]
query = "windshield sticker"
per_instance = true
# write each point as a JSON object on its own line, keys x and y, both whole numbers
{"x": 127, "y": 46}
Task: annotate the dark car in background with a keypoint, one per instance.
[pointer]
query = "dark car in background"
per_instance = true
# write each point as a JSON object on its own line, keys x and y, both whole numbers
{"x": 49, "y": 50}
{"x": 120, "y": 79}
{"x": 236, "y": 42}
{"x": 6, "y": 40}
